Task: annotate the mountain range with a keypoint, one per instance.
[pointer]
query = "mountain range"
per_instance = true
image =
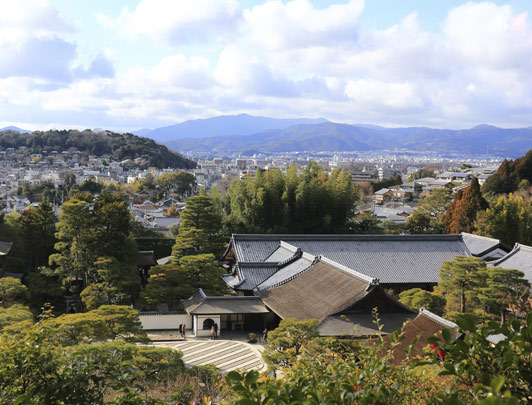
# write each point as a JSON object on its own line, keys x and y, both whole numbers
{"x": 244, "y": 132}
{"x": 225, "y": 125}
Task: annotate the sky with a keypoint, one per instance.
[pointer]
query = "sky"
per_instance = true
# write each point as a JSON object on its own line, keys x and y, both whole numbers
{"x": 127, "y": 65}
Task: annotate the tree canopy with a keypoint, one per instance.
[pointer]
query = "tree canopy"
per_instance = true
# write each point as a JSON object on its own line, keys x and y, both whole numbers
{"x": 508, "y": 218}
{"x": 306, "y": 202}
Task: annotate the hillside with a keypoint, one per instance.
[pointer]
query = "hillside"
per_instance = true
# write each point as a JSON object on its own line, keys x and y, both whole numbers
{"x": 329, "y": 136}
{"x": 119, "y": 146}
{"x": 242, "y": 124}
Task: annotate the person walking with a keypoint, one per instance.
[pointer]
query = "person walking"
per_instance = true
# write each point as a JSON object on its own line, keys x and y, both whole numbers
{"x": 213, "y": 332}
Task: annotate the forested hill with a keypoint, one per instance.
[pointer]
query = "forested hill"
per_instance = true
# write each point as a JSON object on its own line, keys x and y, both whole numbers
{"x": 119, "y": 146}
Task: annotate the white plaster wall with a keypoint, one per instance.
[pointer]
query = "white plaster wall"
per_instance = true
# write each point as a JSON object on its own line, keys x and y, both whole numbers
{"x": 165, "y": 321}
{"x": 198, "y": 325}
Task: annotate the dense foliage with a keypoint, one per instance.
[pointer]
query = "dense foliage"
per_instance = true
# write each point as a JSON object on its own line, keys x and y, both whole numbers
{"x": 430, "y": 212}
{"x": 118, "y": 146}
{"x": 510, "y": 176}
{"x": 306, "y": 202}
{"x": 39, "y": 366}
{"x": 96, "y": 255}
{"x": 508, "y": 218}
{"x": 468, "y": 287}
{"x": 469, "y": 370}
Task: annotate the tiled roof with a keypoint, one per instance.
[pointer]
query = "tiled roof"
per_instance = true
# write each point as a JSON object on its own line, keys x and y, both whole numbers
{"x": 478, "y": 244}
{"x": 284, "y": 252}
{"x": 252, "y": 274}
{"x": 519, "y": 258}
{"x": 201, "y": 304}
{"x": 389, "y": 258}
{"x": 253, "y": 250}
{"x": 290, "y": 270}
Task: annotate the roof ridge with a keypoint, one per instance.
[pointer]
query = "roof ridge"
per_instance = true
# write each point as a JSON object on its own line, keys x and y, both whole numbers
{"x": 345, "y": 269}
{"x": 289, "y": 278}
{"x": 257, "y": 264}
{"x": 361, "y": 237}
{"x": 438, "y": 319}
{"x": 479, "y": 236}
{"x": 517, "y": 247}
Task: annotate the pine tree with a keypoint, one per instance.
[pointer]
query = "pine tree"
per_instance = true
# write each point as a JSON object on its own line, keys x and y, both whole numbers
{"x": 458, "y": 280}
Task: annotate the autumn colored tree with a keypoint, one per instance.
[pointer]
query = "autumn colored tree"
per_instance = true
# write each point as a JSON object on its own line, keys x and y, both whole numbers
{"x": 462, "y": 213}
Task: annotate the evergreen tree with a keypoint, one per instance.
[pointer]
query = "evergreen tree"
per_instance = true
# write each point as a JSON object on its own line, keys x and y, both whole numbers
{"x": 95, "y": 247}
{"x": 504, "y": 290}
{"x": 462, "y": 213}
{"x": 509, "y": 219}
{"x": 306, "y": 202}
{"x": 458, "y": 280}
{"x": 201, "y": 228}
{"x": 38, "y": 229}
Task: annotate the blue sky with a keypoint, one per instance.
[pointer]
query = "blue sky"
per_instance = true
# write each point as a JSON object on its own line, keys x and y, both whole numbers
{"x": 127, "y": 65}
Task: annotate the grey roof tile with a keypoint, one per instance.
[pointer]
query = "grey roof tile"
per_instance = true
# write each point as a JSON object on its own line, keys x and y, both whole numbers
{"x": 252, "y": 274}
{"x": 288, "y": 271}
{"x": 519, "y": 258}
{"x": 478, "y": 244}
{"x": 389, "y": 258}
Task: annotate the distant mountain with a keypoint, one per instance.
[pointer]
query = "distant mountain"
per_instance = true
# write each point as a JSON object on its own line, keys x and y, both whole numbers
{"x": 16, "y": 129}
{"x": 143, "y": 132}
{"x": 329, "y": 136}
{"x": 224, "y": 125}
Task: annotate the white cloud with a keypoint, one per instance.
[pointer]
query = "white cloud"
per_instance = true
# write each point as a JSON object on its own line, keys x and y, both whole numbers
{"x": 277, "y": 58}
{"x": 372, "y": 94}
{"x": 176, "y": 22}
{"x": 277, "y": 26}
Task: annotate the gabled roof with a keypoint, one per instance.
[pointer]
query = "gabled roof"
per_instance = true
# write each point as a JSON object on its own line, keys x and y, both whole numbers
{"x": 252, "y": 274}
{"x": 322, "y": 290}
{"x": 389, "y": 258}
{"x": 480, "y": 245}
{"x": 201, "y": 304}
{"x": 287, "y": 272}
{"x": 519, "y": 258}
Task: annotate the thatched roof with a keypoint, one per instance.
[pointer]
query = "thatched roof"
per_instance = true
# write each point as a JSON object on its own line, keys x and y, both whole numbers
{"x": 322, "y": 290}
